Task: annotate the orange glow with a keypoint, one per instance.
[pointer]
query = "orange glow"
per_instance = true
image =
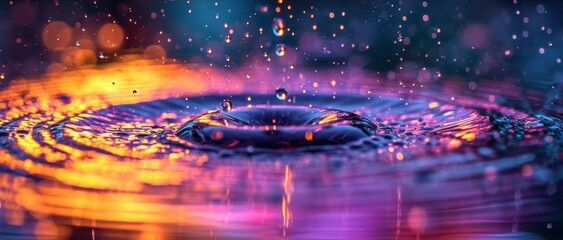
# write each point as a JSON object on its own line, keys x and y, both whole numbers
{"x": 216, "y": 135}
{"x": 527, "y": 170}
{"x": 114, "y": 184}
{"x": 110, "y": 36}
{"x": 46, "y": 229}
{"x": 399, "y": 156}
{"x": 309, "y": 136}
{"x": 73, "y": 57}
{"x": 468, "y": 136}
{"x": 454, "y": 143}
{"x": 56, "y": 35}
{"x": 154, "y": 52}
{"x": 288, "y": 191}
{"x": 328, "y": 118}
{"x": 433, "y": 105}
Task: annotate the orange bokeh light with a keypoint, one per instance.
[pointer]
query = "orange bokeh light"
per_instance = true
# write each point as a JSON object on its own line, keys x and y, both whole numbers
{"x": 56, "y": 35}
{"x": 110, "y": 36}
{"x": 154, "y": 52}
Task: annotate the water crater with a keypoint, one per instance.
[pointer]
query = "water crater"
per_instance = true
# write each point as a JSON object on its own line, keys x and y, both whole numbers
{"x": 276, "y": 127}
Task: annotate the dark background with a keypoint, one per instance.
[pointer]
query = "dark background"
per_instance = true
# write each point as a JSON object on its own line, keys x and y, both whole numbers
{"x": 447, "y": 43}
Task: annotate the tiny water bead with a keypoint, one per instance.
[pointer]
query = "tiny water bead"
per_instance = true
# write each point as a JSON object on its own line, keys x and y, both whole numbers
{"x": 280, "y": 50}
{"x": 276, "y": 127}
{"x": 226, "y": 105}
{"x": 281, "y": 94}
{"x": 278, "y": 27}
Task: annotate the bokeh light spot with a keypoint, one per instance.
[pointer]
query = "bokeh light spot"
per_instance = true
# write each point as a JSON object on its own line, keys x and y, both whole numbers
{"x": 56, "y": 35}
{"x": 110, "y": 36}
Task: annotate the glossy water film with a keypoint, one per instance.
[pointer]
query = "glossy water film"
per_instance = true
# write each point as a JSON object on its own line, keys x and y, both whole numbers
{"x": 280, "y": 120}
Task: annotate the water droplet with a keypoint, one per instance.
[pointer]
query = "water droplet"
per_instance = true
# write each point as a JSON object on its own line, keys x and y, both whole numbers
{"x": 280, "y": 50}
{"x": 281, "y": 94}
{"x": 101, "y": 55}
{"x": 226, "y": 106}
{"x": 278, "y": 27}
{"x": 77, "y": 43}
{"x": 134, "y": 91}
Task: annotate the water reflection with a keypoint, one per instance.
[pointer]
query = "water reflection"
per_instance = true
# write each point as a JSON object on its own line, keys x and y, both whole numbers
{"x": 82, "y": 158}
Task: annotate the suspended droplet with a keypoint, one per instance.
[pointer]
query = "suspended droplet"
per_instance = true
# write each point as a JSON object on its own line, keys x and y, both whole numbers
{"x": 278, "y": 27}
{"x": 281, "y": 94}
{"x": 226, "y": 106}
{"x": 280, "y": 50}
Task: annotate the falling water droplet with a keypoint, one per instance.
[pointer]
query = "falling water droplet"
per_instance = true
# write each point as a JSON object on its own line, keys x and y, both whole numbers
{"x": 101, "y": 55}
{"x": 278, "y": 27}
{"x": 77, "y": 43}
{"x": 281, "y": 94}
{"x": 280, "y": 50}
{"x": 541, "y": 50}
{"x": 226, "y": 106}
